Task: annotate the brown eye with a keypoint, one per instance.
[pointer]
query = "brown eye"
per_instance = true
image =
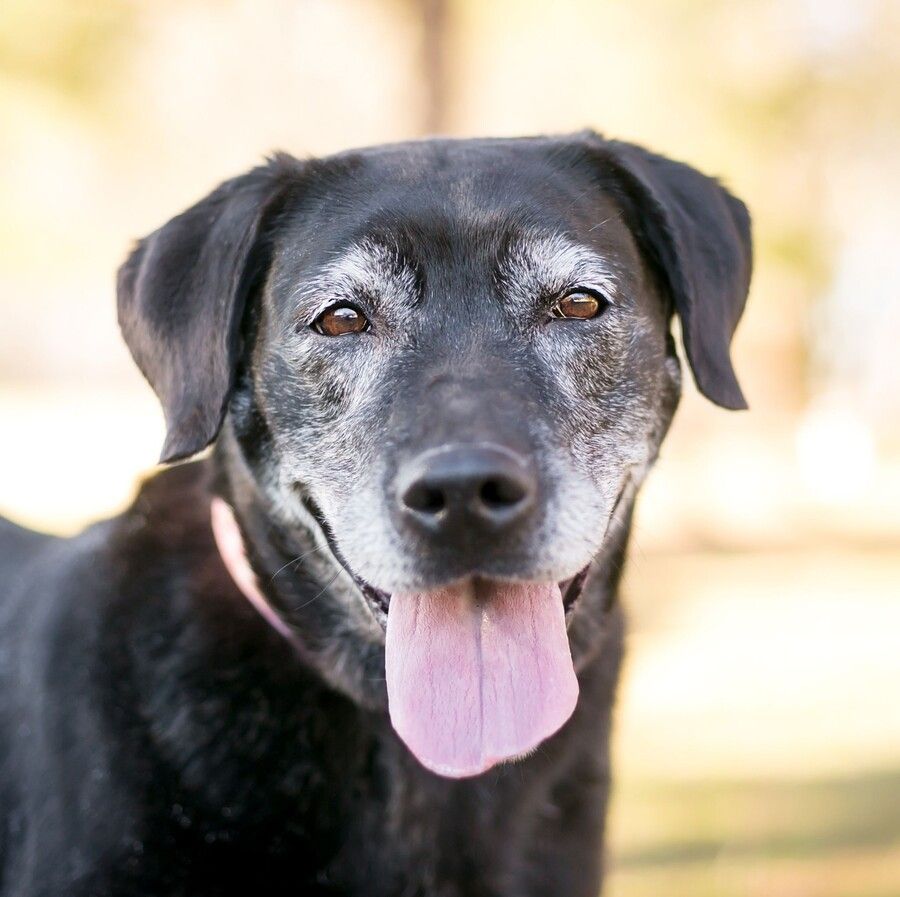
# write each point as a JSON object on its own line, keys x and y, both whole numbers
{"x": 578, "y": 305}
{"x": 340, "y": 319}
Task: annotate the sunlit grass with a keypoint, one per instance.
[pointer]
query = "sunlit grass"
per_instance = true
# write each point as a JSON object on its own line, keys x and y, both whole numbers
{"x": 757, "y": 838}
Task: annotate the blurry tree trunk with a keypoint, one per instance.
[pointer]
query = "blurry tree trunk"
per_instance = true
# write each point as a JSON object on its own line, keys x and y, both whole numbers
{"x": 434, "y": 64}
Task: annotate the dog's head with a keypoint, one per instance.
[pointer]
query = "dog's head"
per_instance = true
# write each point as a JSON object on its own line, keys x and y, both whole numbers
{"x": 455, "y": 355}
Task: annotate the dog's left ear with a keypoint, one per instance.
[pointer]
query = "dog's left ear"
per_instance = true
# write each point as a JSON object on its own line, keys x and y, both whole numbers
{"x": 181, "y": 298}
{"x": 697, "y": 236}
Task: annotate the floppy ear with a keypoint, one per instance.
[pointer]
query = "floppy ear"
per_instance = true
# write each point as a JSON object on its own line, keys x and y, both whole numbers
{"x": 181, "y": 297}
{"x": 697, "y": 236}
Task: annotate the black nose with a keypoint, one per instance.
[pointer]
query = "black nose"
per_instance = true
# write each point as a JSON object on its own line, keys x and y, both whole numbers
{"x": 467, "y": 487}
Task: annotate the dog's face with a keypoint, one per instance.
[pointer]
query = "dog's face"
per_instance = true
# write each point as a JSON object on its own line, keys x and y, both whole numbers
{"x": 461, "y": 366}
{"x": 455, "y": 356}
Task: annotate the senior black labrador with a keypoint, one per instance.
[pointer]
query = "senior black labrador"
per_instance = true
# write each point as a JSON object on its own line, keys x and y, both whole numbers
{"x": 370, "y": 645}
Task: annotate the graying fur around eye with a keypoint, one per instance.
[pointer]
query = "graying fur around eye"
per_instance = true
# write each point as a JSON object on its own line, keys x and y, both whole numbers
{"x": 539, "y": 265}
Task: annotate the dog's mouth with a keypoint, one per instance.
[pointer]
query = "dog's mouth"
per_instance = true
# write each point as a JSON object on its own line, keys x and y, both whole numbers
{"x": 380, "y": 601}
{"x": 478, "y": 671}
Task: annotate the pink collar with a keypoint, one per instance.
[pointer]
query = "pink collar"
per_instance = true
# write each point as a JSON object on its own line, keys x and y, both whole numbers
{"x": 231, "y": 546}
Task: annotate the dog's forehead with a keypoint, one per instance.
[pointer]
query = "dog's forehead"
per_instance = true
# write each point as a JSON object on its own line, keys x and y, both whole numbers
{"x": 469, "y": 204}
{"x": 474, "y": 185}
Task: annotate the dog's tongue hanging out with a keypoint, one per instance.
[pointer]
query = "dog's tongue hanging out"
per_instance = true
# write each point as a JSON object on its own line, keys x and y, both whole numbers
{"x": 478, "y": 673}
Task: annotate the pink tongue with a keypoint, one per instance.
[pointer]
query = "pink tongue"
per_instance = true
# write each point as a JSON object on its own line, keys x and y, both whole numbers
{"x": 478, "y": 673}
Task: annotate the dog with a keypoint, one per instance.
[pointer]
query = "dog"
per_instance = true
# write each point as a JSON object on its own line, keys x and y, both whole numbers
{"x": 369, "y": 644}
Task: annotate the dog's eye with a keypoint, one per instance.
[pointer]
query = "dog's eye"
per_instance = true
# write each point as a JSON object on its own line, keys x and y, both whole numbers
{"x": 340, "y": 319}
{"x": 579, "y": 304}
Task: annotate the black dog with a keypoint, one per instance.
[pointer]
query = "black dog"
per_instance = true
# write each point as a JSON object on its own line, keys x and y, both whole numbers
{"x": 436, "y": 374}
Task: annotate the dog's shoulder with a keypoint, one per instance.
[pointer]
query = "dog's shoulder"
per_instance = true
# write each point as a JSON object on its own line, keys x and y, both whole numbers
{"x": 171, "y": 506}
{"x": 67, "y": 597}
{"x": 18, "y": 548}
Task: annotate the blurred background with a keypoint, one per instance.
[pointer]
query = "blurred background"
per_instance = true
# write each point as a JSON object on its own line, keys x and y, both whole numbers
{"x": 758, "y": 736}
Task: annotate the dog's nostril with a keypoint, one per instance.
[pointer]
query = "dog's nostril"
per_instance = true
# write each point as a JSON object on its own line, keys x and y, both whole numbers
{"x": 425, "y": 499}
{"x": 460, "y": 488}
{"x": 501, "y": 492}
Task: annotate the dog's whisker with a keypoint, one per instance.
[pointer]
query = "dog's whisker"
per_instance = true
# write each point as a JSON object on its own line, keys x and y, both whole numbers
{"x": 322, "y": 591}
{"x": 295, "y": 561}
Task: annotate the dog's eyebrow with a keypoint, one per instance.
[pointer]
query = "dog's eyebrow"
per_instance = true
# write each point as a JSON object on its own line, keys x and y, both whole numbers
{"x": 535, "y": 266}
{"x": 374, "y": 268}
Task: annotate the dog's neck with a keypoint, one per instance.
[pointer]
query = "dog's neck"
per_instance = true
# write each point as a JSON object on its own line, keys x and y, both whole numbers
{"x": 230, "y": 542}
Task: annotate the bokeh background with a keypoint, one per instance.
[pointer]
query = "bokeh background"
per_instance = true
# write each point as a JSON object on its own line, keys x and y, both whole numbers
{"x": 758, "y": 734}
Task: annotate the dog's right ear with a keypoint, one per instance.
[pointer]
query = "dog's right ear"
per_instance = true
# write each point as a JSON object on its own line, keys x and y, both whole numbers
{"x": 181, "y": 298}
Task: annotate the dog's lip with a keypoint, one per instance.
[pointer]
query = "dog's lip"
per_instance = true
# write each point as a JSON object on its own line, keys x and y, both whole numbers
{"x": 379, "y": 598}
{"x": 570, "y": 588}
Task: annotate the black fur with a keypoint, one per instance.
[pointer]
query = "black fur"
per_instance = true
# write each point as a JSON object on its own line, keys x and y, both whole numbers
{"x": 157, "y": 737}
{"x": 181, "y": 298}
{"x": 698, "y": 236}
